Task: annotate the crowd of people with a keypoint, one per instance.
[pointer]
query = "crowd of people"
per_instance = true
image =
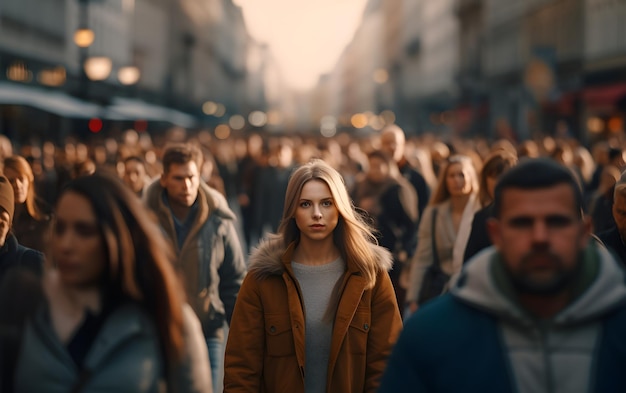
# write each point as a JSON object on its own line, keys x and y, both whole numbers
{"x": 299, "y": 264}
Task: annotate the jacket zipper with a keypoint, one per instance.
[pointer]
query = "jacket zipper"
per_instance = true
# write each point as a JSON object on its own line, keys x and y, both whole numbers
{"x": 545, "y": 351}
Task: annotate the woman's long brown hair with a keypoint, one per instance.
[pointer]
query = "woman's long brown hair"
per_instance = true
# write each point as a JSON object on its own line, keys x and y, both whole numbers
{"x": 139, "y": 258}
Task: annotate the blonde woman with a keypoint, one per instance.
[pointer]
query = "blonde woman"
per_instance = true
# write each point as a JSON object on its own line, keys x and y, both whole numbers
{"x": 317, "y": 311}
{"x": 442, "y": 239}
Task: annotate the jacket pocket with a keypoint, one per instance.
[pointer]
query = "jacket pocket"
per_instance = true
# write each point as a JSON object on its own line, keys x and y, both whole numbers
{"x": 358, "y": 333}
{"x": 279, "y": 335}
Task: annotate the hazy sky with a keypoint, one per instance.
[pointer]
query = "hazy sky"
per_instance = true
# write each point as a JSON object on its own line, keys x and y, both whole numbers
{"x": 305, "y": 36}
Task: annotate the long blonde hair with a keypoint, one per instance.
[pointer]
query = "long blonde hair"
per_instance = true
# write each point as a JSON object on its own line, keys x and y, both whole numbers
{"x": 442, "y": 193}
{"x": 352, "y": 236}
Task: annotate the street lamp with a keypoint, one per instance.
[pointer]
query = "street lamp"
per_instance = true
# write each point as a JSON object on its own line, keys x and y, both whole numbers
{"x": 84, "y": 37}
{"x": 98, "y": 68}
{"x": 128, "y": 75}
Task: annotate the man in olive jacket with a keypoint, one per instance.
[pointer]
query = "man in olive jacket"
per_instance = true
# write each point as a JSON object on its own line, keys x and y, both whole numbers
{"x": 210, "y": 260}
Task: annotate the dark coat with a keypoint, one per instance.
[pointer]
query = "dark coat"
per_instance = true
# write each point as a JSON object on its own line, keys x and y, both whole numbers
{"x": 419, "y": 184}
{"x": 613, "y": 241}
{"x": 13, "y": 255}
{"x": 479, "y": 238}
{"x": 30, "y": 232}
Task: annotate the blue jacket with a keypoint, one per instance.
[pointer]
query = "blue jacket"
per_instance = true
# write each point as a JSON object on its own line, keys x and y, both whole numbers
{"x": 125, "y": 357}
{"x": 477, "y": 339}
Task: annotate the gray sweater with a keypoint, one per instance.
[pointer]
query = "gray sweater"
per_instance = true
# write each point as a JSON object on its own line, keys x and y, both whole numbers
{"x": 317, "y": 284}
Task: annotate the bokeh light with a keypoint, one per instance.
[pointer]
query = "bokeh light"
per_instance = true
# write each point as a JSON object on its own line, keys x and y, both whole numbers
{"x": 128, "y": 75}
{"x": 359, "y": 120}
{"x": 95, "y": 125}
{"x": 237, "y": 122}
{"x": 83, "y": 38}
{"x": 257, "y": 118}
{"x": 209, "y": 108}
{"x": 222, "y": 131}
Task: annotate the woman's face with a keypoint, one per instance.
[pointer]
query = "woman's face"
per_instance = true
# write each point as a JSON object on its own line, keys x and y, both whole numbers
{"x": 457, "y": 180}
{"x": 77, "y": 247}
{"x": 316, "y": 214}
{"x": 19, "y": 183}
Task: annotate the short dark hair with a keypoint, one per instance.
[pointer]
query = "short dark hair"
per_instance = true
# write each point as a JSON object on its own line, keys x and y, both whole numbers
{"x": 134, "y": 158}
{"x": 180, "y": 154}
{"x": 614, "y": 153}
{"x": 534, "y": 174}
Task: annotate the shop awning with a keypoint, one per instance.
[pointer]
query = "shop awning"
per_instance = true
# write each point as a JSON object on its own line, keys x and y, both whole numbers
{"x": 65, "y": 105}
{"x": 134, "y": 109}
{"x": 607, "y": 95}
{"x": 55, "y": 102}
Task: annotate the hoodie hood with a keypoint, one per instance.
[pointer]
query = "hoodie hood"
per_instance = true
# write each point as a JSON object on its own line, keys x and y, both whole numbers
{"x": 270, "y": 257}
{"x": 476, "y": 285}
{"x": 216, "y": 201}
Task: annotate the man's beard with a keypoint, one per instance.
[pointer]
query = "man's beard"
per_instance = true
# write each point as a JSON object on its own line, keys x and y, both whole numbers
{"x": 561, "y": 278}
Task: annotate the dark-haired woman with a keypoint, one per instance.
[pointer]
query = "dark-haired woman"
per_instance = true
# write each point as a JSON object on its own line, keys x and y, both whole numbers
{"x": 113, "y": 318}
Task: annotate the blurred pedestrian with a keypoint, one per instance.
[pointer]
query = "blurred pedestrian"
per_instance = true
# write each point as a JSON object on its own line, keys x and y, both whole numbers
{"x": 391, "y": 201}
{"x": 83, "y": 168}
{"x": 269, "y": 188}
{"x": 444, "y": 230}
{"x": 393, "y": 141}
{"x": 613, "y": 238}
{"x": 135, "y": 175}
{"x": 495, "y": 165}
{"x": 12, "y": 253}
{"x": 317, "y": 311}
{"x": 113, "y": 317}
{"x": 543, "y": 311}
{"x": 601, "y": 201}
{"x": 32, "y": 215}
{"x": 200, "y": 225}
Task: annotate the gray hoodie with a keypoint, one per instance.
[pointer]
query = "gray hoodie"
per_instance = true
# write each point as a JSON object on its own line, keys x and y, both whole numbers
{"x": 556, "y": 354}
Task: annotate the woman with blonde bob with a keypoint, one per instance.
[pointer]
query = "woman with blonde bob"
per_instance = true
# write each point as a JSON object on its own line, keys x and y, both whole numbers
{"x": 445, "y": 226}
{"x": 113, "y": 316}
{"x": 317, "y": 311}
{"x": 32, "y": 219}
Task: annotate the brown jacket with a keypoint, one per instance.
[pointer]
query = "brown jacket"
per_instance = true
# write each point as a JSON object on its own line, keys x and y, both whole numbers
{"x": 211, "y": 261}
{"x": 266, "y": 343}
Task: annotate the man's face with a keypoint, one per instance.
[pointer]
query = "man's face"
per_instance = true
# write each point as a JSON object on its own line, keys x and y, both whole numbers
{"x": 181, "y": 183}
{"x": 619, "y": 213}
{"x": 392, "y": 143}
{"x": 540, "y": 235}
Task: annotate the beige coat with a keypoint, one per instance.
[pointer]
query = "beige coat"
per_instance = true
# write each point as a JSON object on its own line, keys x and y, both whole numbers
{"x": 450, "y": 243}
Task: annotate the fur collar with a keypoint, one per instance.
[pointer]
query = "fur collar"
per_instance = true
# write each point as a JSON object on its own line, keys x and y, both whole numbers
{"x": 270, "y": 256}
